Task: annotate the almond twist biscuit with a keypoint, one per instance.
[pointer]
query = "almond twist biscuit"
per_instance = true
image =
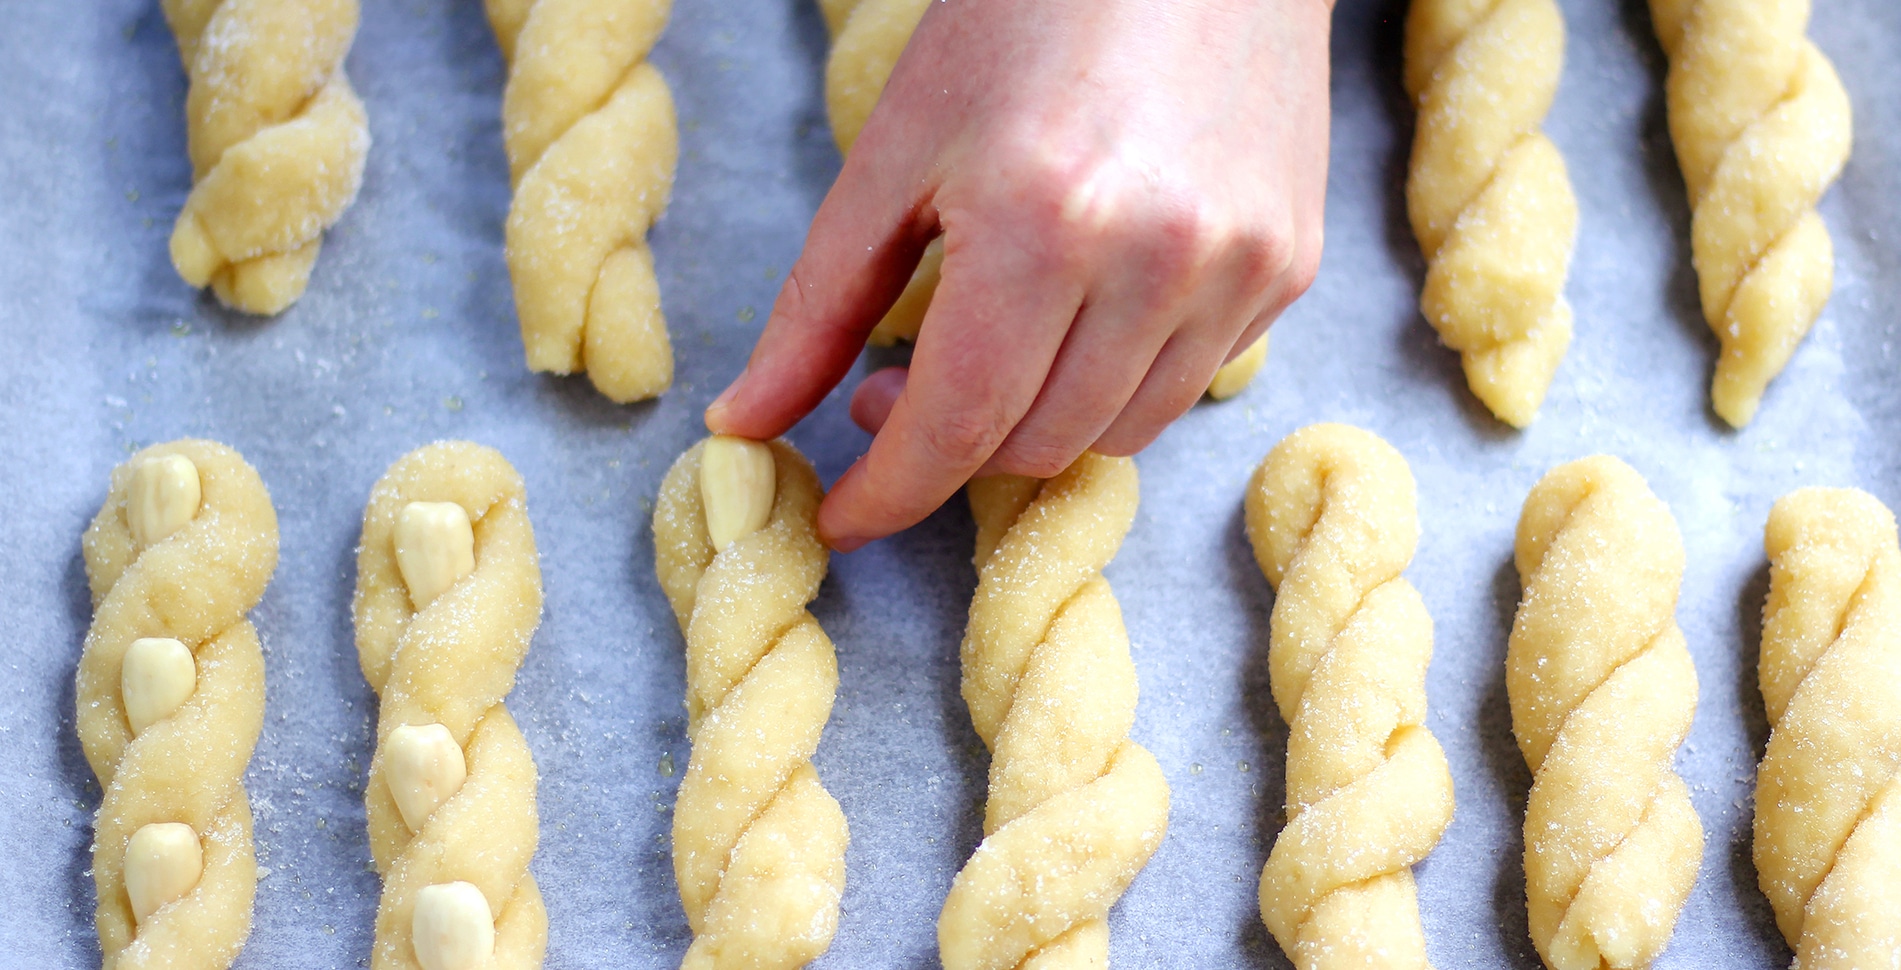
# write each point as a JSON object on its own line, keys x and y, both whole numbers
{"x": 592, "y": 145}
{"x": 277, "y": 141}
{"x": 171, "y": 699}
{"x": 758, "y": 843}
{"x": 1602, "y": 692}
{"x": 1761, "y": 126}
{"x": 1332, "y": 517}
{"x": 868, "y": 36}
{"x": 1828, "y": 793}
{"x": 448, "y": 595}
{"x": 1075, "y": 808}
{"x": 1488, "y": 195}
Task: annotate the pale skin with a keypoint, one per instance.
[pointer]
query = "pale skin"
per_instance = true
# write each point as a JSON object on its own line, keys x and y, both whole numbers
{"x": 1129, "y": 192}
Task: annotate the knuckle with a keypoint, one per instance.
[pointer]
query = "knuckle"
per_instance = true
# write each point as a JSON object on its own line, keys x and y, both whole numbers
{"x": 964, "y": 438}
{"x": 1265, "y": 254}
{"x": 1037, "y": 458}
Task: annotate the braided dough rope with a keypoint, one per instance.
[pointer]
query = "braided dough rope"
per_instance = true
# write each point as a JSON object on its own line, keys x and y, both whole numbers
{"x": 868, "y": 36}
{"x": 758, "y": 843}
{"x": 1761, "y": 126}
{"x": 1602, "y": 692}
{"x": 1488, "y": 195}
{"x": 194, "y": 586}
{"x": 1332, "y": 517}
{"x": 448, "y": 665}
{"x": 592, "y": 146}
{"x": 1828, "y": 793}
{"x": 277, "y": 141}
{"x": 1075, "y": 808}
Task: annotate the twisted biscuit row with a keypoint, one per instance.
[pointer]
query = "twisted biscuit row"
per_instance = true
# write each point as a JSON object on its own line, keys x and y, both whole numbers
{"x": 1075, "y": 808}
{"x": 758, "y": 843}
{"x": 1761, "y": 126}
{"x": 1602, "y": 692}
{"x": 1488, "y": 195}
{"x": 447, "y": 599}
{"x": 277, "y": 141}
{"x": 1828, "y": 793}
{"x": 1331, "y": 516}
{"x": 592, "y": 146}
{"x": 170, "y": 697}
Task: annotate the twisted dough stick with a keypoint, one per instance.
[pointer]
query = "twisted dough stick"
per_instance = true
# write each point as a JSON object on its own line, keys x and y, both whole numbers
{"x": 444, "y": 668}
{"x": 867, "y": 38}
{"x": 277, "y": 141}
{"x": 1331, "y": 514}
{"x": 1488, "y": 194}
{"x": 1761, "y": 126}
{"x": 1828, "y": 794}
{"x": 758, "y": 844}
{"x": 1602, "y": 693}
{"x": 592, "y": 144}
{"x": 188, "y": 582}
{"x": 1075, "y": 808}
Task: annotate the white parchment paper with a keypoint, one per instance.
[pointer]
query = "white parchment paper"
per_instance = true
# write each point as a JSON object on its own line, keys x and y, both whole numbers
{"x": 408, "y": 334}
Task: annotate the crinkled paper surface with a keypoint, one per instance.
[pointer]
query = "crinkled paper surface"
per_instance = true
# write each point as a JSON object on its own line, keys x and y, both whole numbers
{"x": 408, "y": 334}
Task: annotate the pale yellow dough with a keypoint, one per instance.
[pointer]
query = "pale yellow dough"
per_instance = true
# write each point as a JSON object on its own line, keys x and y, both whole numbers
{"x": 1488, "y": 195}
{"x": 277, "y": 141}
{"x": 867, "y": 38}
{"x": 1762, "y": 126}
{"x": 592, "y": 146}
{"x": 758, "y": 843}
{"x": 195, "y": 586}
{"x": 1602, "y": 693}
{"x": 1075, "y": 808}
{"x": 452, "y": 663}
{"x": 1333, "y": 520}
{"x": 1828, "y": 793}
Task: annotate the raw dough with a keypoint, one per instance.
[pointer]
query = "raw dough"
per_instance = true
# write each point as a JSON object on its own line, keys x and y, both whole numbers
{"x": 277, "y": 141}
{"x": 758, "y": 843}
{"x": 452, "y": 663}
{"x": 867, "y": 38}
{"x": 1761, "y": 126}
{"x": 1602, "y": 692}
{"x": 1333, "y": 519}
{"x": 1488, "y": 194}
{"x": 194, "y": 586}
{"x": 1075, "y": 808}
{"x": 592, "y": 146}
{"x": 1828, "y": 793}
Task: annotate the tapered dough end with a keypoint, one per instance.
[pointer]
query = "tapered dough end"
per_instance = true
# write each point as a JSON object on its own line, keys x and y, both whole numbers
{"x": 1235, "y": 375}
{"x": 267, "y": 285}
{"x": 1772, "y": 311}
{"x": 1512, "y": 379}
{"x": 625, "y": 348}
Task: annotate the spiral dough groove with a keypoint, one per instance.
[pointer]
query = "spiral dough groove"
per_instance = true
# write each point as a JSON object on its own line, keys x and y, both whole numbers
{"x": 592, "y": 145}
{"x": 1602, "y": 693}
{"x": 1331, "y": 514}
{"x": 1762, "y": 126}
{"x": 1828, "y": 792}
{"x": 451, "y": 663}
{"x": 1075, "y": 808}
{"x": 758, "y": 843}
{"x": 1488, "y": 195}
{"x": 277, "y": 140}
{"x": 193, "y": 586}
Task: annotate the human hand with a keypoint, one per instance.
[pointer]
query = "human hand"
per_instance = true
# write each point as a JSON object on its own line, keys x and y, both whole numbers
{"x": 1129, "y": 192}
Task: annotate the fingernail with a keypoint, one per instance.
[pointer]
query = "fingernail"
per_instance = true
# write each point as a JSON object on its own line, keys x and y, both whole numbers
{"x": 847, "y": 544}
